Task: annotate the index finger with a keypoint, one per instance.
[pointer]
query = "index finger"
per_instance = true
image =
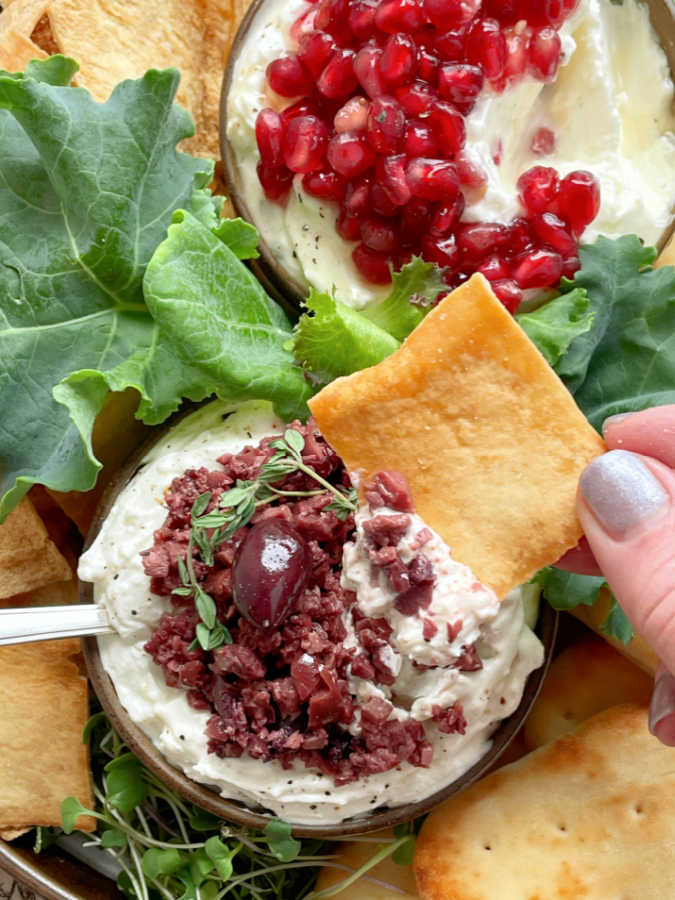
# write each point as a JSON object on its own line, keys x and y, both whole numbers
{"x": 650, "y": 433}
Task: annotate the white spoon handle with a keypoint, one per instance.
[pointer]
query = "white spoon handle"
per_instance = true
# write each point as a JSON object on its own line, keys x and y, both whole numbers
{"x": 42, "y": 623}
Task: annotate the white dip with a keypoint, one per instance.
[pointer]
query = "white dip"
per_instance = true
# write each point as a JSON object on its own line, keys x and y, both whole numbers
{"x": 610, "y": 109}
{"x": 508, "y": 648}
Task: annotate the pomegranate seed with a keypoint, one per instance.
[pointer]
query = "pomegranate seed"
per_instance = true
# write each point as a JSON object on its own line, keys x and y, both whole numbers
{"x": 399, "y": 60}
{"x": 399, "y": 15}
{"x": 269, "y": 133}
{"x": 544, "y": 53}
{"x": 415, "y": 218}
{"x": 520, "y": 237}
{"x": 470, "y": 174}
{"x": 372, "y": 265}
{"x": 553, "y": 232}
{"x": 367, "y": 70}
{"x": 546, "y": 12}
{"x": 432, "y": 179}
{"x": 288, "y": 77}
{"x": 538, "y": 188}
{"x": 424, "y": 38}
{"x": 420, "y": 139}
{"x": 390, "y": 176}
{"x": 486, "y": 47}
{"x": 301, "y": 108}
{"x": 428, "y": 66}
{"x": 305, "y": 144}
{"x": 361, "y": 19}
{"x": 494, "y": 268}
{"x": 303, "y": 25}
{"x": 352, "y": 116}
{"x": 449, "y": 126}
{"x": 379, "y": 234}
{"x": 338, "y": 79}
{"x": 402, "y": 258}
{"x": 333, "y": 17}
{"x": 348, "y": 226}
{"x": 381, "y": 203}
{"x": 479, "y": 239}
{"x": 461, "y": 84}
{"x": 507, "y": 11}
{"x": 538, "y": 269}
{"x": 416, "y": 98}
{"x": 386, "y": 125}
{"x": 357, "y": 196}
{"x": 497, "y": 150}
{"x": 276, "y": 181}
{"x": 579, "y": 199}
{"x": 349, "y": 154}
{"x": 508, "y": 293}
{"x": 315, "y": 51}
{"x": 571, "y": 266}
{"x": 517, "y": 58}
{"x": 450, "y": 45}
{"x": 446, "y": 216}
{"x": 447, "y": 14}
{"x": 442, "y": 251}
{"x": 543, "y": 142}
{"x": 325, "y": 185}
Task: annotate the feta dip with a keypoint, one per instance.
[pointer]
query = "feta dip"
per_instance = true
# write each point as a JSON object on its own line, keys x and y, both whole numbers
{"x": 459, "y": 667}
{"x": 609, "y": 110}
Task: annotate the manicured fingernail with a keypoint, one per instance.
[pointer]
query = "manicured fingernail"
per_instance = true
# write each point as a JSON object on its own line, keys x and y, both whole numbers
{"x": 613, "y": 420}
{"x": 662, "y": 710}
{"x": 621, "y": 491}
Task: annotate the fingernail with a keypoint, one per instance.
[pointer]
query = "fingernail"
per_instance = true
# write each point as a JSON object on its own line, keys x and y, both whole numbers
{"x": 662, "y": 710}
{"x": 621, "y": 491}
{"x": 613, "y": 420}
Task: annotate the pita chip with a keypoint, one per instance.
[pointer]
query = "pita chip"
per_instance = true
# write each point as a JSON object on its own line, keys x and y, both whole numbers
{"x": 588, "y": 816}
{"x": 490, "y": 440}
{"x": 44, "y": 706}
{"x": 16, "y": 51}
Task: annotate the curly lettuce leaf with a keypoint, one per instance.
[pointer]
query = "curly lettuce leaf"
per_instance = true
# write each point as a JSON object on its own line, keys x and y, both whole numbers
{"x": 332, "y": 339}
{"x": 553, "y": 326}
{"x": 415, "y": 290}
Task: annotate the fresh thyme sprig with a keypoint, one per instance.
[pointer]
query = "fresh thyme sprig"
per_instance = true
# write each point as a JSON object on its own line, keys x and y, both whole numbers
{"x": 235, "y": 509}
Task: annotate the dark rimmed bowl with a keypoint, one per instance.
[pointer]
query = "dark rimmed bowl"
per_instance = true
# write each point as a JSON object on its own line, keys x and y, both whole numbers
{"x": 267, "y": 268}
{"x": 233, "y": 811}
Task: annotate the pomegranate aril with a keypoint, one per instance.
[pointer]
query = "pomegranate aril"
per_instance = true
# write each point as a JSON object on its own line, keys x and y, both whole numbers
{"x": 544, "y": 53}
{"x": 508, "y": 293}
{"x": 398, "y": 62}
{"x": 486, "y": 47}
{"x": 432, "y": 179}
{"x": 361, "y": 19}
{"x": 470, "y": 173}
{"x": 538, "y": 269}
{"x": 450, "y": 45}
{"x": 571, "y": 266}
{"x": 372, "y": 265}
{"x": 546, "y": 12}
{"x": 507, "y": 11}
{"x": 349, "y": 154}
{"x": 276, "y": 181}
{"x": 367, "y": 70}
{"x": 352, "y": 116}
{"x": 325, "y": 184}
{"x": 446, "y": 216}
{"x": 517, "y": 58}
{"x": 386, "y": 125}
{"x": 269, "y": 133}
{"x": 449, "y": 126}
{"x": 520, "y": 237}
{"x": 348, "y": 226}
{"x": 460, "y": 84}
{"x": 494, "y": 268}
{"x": 357, "y": 198}
{"x": 390, "y": 176}
{"x": 416, "y": 98}
{"x": 333, "y": 17}
{"x": 579, "y": 199}
{"x": 447, "y": 14}
{"x": 399, "y": 15}
{"x": 538, "y": 188}
{"x": 478, "y": 240}
{"x": 415, "y": 218}
{"x": 315, "y": 50}
{"x": 442, "y": 251}
{"x": 305, "y": 144}
{"x": 543, "y": 142}
{"x": 381, "y": 203}
{"x": 420, "y": 139}
{"x": 380, "y": 234}
{"x": 553, "y": 232}
{"x": 300, "y": 108}
{"x": 288, "y": 77}
{"x": 338, "y": 79}
{"x": 303, "y": 25}
{"x": 428, "y": 66}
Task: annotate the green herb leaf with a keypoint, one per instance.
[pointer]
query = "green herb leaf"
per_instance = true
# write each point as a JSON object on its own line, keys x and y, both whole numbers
{"x": 206, "y": 607}
{"x": 158, "y": 862}
{"x": 553, "y": 326}
{"x": 210, "y": 520}
{"x": 233, "y": 497}
{"x": 616, "y": 624}
{"x": 222, "y": 856}
{"x": 294, "y": 440}
{"x": 280, "y": 840}
{"x": 332, "y": 340}
{"x": 200, "y": 866}
{"x": 239, "y": 236}
{"x": 125, "y": 787}
{"x": 182, "y": 591}
{"x": 565, "y": 590}
{"x": 201, "y": 820}
{"x": 415, "y": 290}
{"x": 182, "y": 570}
{"x": 200, "y": 504}
{"x": 93, "y": 722}
{"x": 111, "y": 837}
{"x": 71, "y": 810}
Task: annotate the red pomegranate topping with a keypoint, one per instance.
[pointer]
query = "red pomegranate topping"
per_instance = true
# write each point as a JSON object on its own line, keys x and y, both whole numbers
{"x": 381, "y": 89}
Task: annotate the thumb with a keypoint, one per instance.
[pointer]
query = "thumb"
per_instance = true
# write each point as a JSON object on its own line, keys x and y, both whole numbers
{"x": 626, "y": 505}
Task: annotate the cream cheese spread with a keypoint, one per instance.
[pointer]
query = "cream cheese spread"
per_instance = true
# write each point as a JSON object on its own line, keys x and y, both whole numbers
{"x": 610, "y": 109}
{"x": 508, "y": 648}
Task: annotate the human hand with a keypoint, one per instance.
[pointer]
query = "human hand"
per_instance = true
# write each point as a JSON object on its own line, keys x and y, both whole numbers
{"x": 626, "y": 503}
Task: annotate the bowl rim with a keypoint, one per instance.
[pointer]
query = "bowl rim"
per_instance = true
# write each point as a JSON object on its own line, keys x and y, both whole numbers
{"x": 267, "y": 268}
{"x": 210, "y": 800}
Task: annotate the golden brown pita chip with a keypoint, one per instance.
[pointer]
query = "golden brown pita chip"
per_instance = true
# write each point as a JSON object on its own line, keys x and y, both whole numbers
{"x": 58, "y": 593}
{"x": 44, "y": 707}
{"x": 487, "y": 435}
{"x": 587, "y": 677}
{"x": 352, "y": 855}
{"x": 588, "y": 817}
{"x": 16, "y": 51}
{"x": 28, "y": 558}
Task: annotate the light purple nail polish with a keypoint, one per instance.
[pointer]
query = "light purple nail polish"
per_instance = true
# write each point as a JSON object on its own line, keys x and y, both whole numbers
{"x": 621, "y": 491}
{"x": 662, "y": 709}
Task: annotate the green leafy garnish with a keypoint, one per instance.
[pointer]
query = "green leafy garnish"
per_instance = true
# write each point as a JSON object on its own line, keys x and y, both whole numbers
{"x": 280, "y": 840}
{"x": 416, "y": 289}
{"x": 553, "y": 326}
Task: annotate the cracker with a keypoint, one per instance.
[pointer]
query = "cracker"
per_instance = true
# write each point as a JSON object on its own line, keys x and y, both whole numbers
{"x": 488, "y": 437}
{"x": 587, "y": 677}
{"x": 589, "y": 816}
{"x": 28, "y": 558}
{"x": 16, "y": 51}
{"x": 44, "y": 706}
{"x": 352, "y": 855}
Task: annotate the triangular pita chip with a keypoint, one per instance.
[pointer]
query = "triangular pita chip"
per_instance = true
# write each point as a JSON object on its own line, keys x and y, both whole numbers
{"x": 28, "y": 557}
